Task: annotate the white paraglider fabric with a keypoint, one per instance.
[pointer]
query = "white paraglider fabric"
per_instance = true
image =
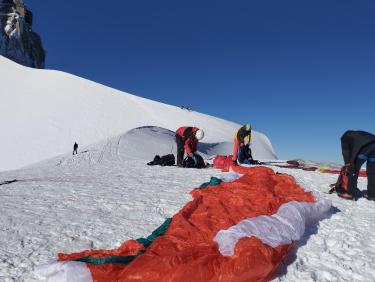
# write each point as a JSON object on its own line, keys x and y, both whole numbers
{"x": 70, "y": 271}
{"x": 230, "y": 176}
{"x": 287, "y": 225}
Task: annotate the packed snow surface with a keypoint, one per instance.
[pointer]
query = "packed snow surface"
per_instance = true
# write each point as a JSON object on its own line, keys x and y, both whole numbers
{"x": 73, "y": 203}
{"x": 43, "y": 112}
{"x": 107, "y": 194}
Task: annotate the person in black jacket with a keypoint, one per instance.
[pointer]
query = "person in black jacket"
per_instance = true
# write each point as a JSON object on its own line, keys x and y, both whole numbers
{"x": 75, "y": 148}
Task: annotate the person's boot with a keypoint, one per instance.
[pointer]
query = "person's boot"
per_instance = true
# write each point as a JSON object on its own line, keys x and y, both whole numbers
{"x": 346, "y": 196}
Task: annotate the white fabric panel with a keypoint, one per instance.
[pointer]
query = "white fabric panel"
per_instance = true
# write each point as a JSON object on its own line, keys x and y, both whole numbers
{"x": 287, "y": 225}
{"x": 70, "y": 271}
{"x": 230, "y": 176}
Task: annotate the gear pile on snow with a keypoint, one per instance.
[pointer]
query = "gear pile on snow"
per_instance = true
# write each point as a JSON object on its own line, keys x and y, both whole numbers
{"x": 167, "y": 160}
{"x": 234, "y": 231}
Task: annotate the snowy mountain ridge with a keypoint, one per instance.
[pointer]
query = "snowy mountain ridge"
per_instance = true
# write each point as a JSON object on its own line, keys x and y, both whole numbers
{"x": 42, "y": 116}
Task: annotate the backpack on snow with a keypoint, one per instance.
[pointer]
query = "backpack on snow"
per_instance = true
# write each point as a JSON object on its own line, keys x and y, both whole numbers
{"x": 341, "y": 185}
{"x": 167, "y": 160}
{"x": 245, "y": 155}
{"x": 194, "y": 162}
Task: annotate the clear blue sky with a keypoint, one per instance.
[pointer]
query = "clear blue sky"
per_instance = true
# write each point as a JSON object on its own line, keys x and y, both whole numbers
{"x": 302, "y": 72}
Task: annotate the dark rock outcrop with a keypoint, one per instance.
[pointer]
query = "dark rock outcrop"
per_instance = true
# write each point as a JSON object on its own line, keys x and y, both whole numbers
{"x": 17, "y": 40}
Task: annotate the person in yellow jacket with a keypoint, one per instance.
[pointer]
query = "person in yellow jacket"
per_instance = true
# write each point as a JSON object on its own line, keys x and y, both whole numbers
{"x": 242, "y": 136}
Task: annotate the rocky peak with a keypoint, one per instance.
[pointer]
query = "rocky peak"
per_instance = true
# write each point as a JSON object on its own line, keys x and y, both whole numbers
{"x": 17, "y": 40}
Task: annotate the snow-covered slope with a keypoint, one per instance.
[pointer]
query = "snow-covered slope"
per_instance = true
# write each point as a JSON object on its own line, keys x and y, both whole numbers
{"x": 42, "y": 113}
{"x": 142, "y": 143}
{"x": 81, "y": 205}
{"x": 101, "y": 198}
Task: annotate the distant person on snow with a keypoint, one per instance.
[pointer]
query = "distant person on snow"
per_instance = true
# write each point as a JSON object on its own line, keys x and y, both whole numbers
{"x": 241, "y": 138}
{"x": 75, "y": 148}
{"x": 187, "y": 140}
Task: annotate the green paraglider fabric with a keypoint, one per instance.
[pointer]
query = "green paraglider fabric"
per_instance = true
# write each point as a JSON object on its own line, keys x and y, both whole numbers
{"x": 213, "y": 182}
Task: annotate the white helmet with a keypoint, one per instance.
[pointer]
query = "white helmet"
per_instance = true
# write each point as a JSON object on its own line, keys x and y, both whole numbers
{"x": 199, "y": 134}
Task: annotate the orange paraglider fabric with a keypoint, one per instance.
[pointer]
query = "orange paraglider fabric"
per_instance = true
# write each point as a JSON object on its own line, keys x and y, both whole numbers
{"x": 223, "y": 162}
{"x": 187, "y": 252}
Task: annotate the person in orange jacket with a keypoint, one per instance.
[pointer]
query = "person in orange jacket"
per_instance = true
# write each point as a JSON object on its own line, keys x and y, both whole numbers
{"x": 187, "y": 140}
{"x": 242, "y": 135}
